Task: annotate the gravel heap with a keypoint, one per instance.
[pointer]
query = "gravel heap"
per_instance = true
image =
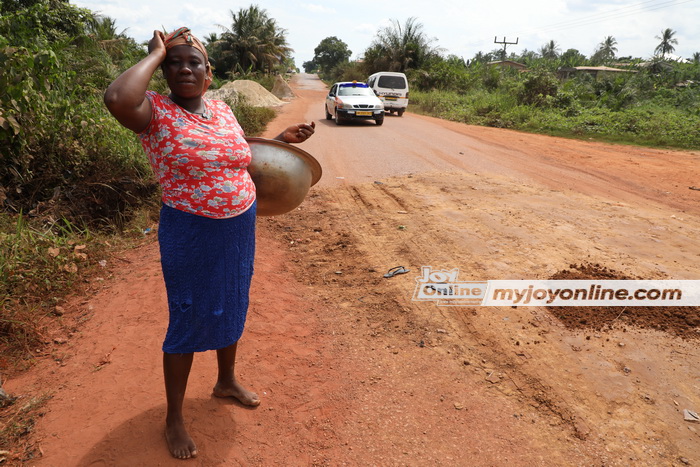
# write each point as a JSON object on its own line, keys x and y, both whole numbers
{"x": 253, "y": 93}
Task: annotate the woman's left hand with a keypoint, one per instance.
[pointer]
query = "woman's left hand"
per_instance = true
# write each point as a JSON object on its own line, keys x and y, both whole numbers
{"x": 297, "y": 133}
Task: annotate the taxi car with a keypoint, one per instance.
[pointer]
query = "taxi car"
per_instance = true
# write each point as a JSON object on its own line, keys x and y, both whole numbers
{"x": 352, "y": 100}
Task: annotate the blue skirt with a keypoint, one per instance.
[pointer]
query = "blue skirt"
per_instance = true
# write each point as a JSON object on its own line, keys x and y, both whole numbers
{"x": 207, "y": 266}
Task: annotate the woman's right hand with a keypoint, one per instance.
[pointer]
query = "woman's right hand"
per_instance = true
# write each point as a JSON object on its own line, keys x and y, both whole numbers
{"x": 156, "y": 44}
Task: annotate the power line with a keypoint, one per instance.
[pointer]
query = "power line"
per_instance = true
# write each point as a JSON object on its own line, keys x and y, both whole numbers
{"x": 603, "y": 14}
{"x": 623, "y": 12}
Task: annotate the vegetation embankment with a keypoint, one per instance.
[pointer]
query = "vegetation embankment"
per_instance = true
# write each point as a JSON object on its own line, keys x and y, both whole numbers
{"x": 638, "y": 108}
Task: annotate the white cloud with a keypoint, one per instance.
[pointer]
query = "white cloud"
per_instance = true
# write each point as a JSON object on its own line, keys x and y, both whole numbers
{"x": 314, "y": 8}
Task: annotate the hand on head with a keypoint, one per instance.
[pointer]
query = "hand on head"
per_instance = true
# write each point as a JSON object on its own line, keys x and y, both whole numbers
{"x": 157, "y": 44}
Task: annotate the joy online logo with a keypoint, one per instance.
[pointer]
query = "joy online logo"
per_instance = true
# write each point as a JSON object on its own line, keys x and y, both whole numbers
{"x": 444, "y": 287}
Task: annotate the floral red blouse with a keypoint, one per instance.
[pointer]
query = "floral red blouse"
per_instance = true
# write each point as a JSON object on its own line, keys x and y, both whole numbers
{"x": 200, "y": 161}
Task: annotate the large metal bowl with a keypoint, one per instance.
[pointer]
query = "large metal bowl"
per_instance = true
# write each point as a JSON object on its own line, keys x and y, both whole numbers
{"x": 282, "y": 174}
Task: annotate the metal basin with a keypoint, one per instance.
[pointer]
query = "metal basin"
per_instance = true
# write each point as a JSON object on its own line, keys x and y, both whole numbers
{"x": 282, "y": 174}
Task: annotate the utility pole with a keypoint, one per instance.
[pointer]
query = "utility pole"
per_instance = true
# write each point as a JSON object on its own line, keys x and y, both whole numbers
{"x": 505, "y": 44}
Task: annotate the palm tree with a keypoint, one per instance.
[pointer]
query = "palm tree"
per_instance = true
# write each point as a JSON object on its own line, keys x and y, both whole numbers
{"x": 666, "y": 46}
{"x": 482, "y": 57}
{"x": 211, "y": 38}
{"x": 103, "y": 28}
{"x": 398, "y": 48}
{"x": 254, "y": 42}
{"x": 696, "y": 57}
{"x": 527, "y": 56}
{"x": 550, "y": 50}
{"x": 606, "y": 51}
{"x": 572, "y": 58}
{"x": 103, "y": 32}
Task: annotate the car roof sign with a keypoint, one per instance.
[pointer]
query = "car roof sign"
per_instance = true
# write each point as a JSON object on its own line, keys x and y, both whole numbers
{"x": 353, "y": 85}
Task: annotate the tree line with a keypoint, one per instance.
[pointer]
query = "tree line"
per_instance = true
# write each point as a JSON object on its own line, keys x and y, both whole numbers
{"x": 405, "y": 46}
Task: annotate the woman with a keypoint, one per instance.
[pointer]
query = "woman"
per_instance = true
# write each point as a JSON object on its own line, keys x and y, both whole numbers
{"x": 207, "y": 222}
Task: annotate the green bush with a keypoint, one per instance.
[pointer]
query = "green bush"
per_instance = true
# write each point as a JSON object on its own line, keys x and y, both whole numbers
{"x": 253, "y": 120}
{"x": 451, "y": 74}
{"x": 58, "y": 144}
{"x": 565, "y": 115}
{"x": 537, "y": 88}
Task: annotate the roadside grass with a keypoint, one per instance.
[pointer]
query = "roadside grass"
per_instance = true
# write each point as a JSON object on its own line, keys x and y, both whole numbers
{"x": 650, "y": 124}
{"x": 18, "y": 418}
{"x": 42, "y": 263}
{"x": 252, "y": 119}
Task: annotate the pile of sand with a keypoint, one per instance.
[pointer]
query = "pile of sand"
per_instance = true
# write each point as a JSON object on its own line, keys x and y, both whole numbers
{"x": 281, "y": 89}
{"x": 253, "y": 93}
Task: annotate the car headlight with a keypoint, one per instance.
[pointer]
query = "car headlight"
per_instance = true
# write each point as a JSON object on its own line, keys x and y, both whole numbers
{"x": 343, "y": 105}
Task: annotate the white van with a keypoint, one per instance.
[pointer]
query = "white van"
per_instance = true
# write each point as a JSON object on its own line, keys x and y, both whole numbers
{"x": 392, "y": 89}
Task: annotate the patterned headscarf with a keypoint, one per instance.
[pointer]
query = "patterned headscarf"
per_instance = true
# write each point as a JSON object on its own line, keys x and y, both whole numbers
{"x": 183, "y": 36}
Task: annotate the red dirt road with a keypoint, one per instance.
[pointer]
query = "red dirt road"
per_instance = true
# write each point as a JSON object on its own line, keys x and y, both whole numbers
{"x": 351, "y": 371}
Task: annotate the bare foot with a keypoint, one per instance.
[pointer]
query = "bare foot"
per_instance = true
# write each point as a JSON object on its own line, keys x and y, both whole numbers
{"x": 235, "y": 390}
{"x": 179, "y": 442}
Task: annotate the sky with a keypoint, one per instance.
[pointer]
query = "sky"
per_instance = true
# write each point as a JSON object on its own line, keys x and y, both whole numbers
{"x": 460, "y": 28}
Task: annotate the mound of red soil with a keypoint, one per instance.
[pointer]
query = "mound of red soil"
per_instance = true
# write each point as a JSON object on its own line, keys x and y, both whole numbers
{"x": 682, "y": 321}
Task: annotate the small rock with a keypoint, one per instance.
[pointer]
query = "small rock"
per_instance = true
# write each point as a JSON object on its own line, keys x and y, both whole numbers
{"x": 621, "y": 344}
{"x": 690, "y": 416}
{"x": 5, "y": 398}
{"x": 627, "y": 370}
{"x": 493, "y": 378}
{"x": 441, "y": 331}
{"x": 59, "y": 311}
{"x": 458, "y": 406}
{"x": 684, "y": 461}
{"x": 60, "y": 340}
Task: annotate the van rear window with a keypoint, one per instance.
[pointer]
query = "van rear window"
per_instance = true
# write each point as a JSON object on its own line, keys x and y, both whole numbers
{"x": 393, "y": 82}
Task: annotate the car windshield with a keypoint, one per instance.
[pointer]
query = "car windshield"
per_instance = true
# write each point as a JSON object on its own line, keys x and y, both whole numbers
{"x": 393, "y": 82}
{"x": 355, "y": 91}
